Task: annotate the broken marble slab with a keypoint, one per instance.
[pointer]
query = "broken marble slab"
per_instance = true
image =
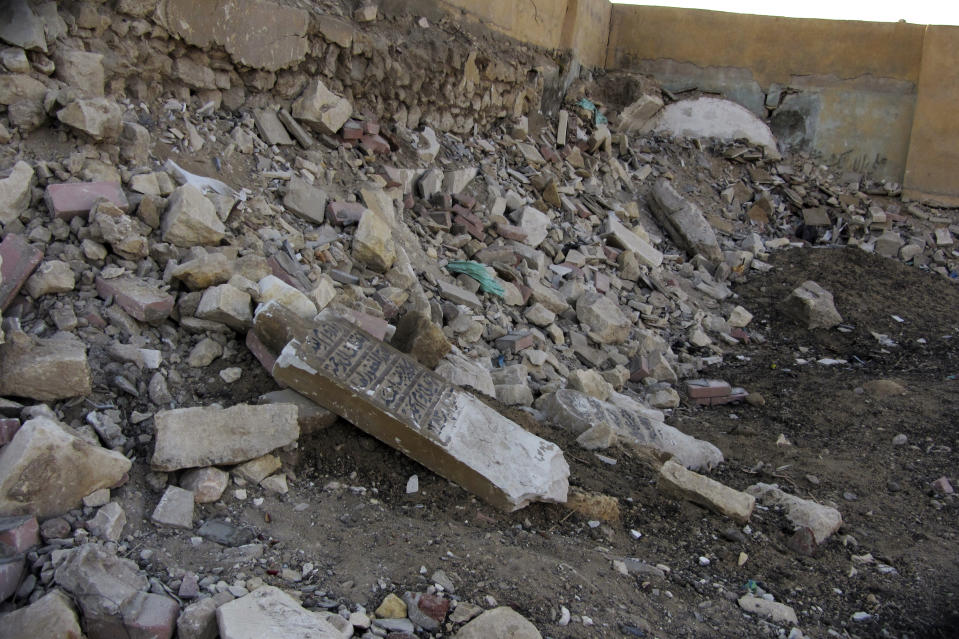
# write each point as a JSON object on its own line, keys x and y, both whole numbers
{"x": 578, "y": 412}
{"x": 801, "y": 513}
{"x": 684, "y": 221}
{"x": 409, "y": 407}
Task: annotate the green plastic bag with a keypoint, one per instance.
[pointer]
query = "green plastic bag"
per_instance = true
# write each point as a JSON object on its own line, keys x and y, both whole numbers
{"x": 478, "y": 272}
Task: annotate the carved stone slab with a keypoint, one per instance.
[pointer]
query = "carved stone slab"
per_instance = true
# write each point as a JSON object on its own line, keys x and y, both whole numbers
{"x": 394, "y": 398}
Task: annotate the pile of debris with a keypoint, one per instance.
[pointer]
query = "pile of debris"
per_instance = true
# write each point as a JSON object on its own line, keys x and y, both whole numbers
{"x": 403, "y": 277}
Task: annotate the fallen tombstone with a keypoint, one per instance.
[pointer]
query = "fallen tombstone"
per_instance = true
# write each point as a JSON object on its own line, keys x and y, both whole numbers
{"x": 801, "y": 513}
{"x": 811, "y": 305}
{"x": 577, "y": 413}
{"x": 397, "y": 400}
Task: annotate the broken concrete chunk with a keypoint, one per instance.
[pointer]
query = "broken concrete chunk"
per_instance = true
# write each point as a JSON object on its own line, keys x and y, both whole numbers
{"x": 270, "y": 613}
{"x": 204, "y": 269}
{"x": 175, "y": 508}
{"x": 577, "y": 413}
{"x": 534, "y": 223}
{"x": 226, "y": 304}
{"x": 811, "y": 305}
{"x": 15, "y": 192}
{"x": 271, "y": 129}
{"x": 207, "y": 436}
{"x": 322, "y": 108}
{"x": 46, "y": 471}
{"x": 395, "y": 399}
{"x": 801, "y": 513}
{"x": 684, "y": 221}
{"x": 635, "y": 116}
{"x": 44, "y": 369}
{"x": 80, "y": 69}
{"x": 464, "y": 372}
{"x": 53, "y": 276}
{"x": 100, "y": 118}
{"x": 50, "y": 616}
{"x": 108, "y": 523}
{"x": 273, "y": 289}
{"x": 206, "y": 484}
{"x": 676, "y": 480}
{"x": 191, "y": 219}
{"x": 606, "y": 323}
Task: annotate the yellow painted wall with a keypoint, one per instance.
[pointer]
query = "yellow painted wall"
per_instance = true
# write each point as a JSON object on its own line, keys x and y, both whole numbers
{"x": 586, "y": 30}
{"x": 932, "y": 169}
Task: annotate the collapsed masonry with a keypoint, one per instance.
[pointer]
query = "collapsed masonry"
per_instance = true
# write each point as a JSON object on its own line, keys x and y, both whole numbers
{"x": 392, "y": 244}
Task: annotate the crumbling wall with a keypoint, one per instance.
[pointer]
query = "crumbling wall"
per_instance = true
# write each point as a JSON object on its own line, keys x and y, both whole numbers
{"x": 845, "y": 89}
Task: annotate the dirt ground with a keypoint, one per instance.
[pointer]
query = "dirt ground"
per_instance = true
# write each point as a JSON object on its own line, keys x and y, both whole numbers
{"x": 348, "y": 513}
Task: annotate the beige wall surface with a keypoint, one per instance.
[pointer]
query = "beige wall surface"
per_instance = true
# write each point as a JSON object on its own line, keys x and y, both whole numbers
{"x": 538, "y": 22}
{"x": 773, "y": 48}
{"x": 932, "y": 170}
{"x": 586, "y": 30}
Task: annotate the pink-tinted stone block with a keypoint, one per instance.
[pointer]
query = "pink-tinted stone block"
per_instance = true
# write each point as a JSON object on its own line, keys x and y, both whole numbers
{"x": 702, "y": 388}
{"x": 352, "y": 130}
{"x": 150, "y": 616}
{"x": 11, "y": 569}
{"x": 8, "y": 428}
{"x": 375, "y": 144}
{"x": 601, "y": 282}
{"x": 69, "y": 200}
{"x": 943, "y": 486}
{"x": 20, "y": 259}
{"x": 514, "y": 343}
{"x": 371, "y": 127}
{"x": 19, "y": 533}
{"x": 141, "y": 300}
{"x": 375, "y": 326}
{"x": 639, "y": 369}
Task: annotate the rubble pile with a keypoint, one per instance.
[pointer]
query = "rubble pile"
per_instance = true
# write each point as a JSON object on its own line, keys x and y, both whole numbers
{"x": 408, "y": 250}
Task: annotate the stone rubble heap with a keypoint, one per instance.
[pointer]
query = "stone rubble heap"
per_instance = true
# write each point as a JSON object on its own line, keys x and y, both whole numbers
{"x": 572, "y": 270}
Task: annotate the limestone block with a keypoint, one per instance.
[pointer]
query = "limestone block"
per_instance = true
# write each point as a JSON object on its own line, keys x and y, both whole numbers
{"x": 44, "y": 369}
{"x": 812, "y": 305}
{"x": 676, "y": 480}
{"x": 191, "y": 219}
{"x": 684, "y": 221}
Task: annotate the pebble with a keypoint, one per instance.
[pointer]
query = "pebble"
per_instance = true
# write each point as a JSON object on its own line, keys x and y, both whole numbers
{"x": 900, "y": 440}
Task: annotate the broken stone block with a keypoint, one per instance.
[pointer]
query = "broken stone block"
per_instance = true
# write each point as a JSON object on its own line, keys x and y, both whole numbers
{"x": 577, "y": 413}
{"x": 108, "y": 523}
{"x": 310, "y": 416}
{"x": 123, "y": 233}
{"x": 198, "y": 620}
{"x": 45, "y": 369}
{"x": 499, "y": 622}
{"x": 461, "y": 371}
{"x": 373, "y": 242}
{"x": 455, "y": 181}
{"x": 681, "y": 483}
{"x": 811, "y": 305}
{"x": 208, "y": 436}
{"x": 19, "y": 533}
{"x": 534, "y": 223}
{"x": 227, "y": 304}
{"x": 206, "y": 484}
{"x": 606, "y": 323}
{"x": 270, "y": 613}
{"x": 271, "y": 129}
{"x": 272, "y": 289}
{"x": 256, "y": 470}
{"x": 140, "y": 299}
{"x": 801, "y": 513}
{"x": 66, "y": 201}
{"x": 18, "y": 260}
{"x": 15, "y": 192}
{"x": 52, "y": 616}
{"x": 392, "y": 397}
{"x": 590, "y": 383}
{"x": 514, "y": 394}
{"x": 626, "y": 239}
{"x": 100, "y": 118}
{"x": 635, "y": 116}
{"x": 888, "y": 244}
{"x": 297, "y": 131}
{"x": 778, "y": 612}
{"x": 417, "y": 335}
{"x": 321, "y": 108}
{"x": 46, "y": 471}
{"x": 191, "y": 219}
{"x": 598, "y": 437}
{"x": 306, "y": 201}
{"x": 739, "y": 317}
{"x": 684, "y": 221}
{"x": 80, "y": 69}
{"x": 51, "y": 277}
{"x": 204, "y": 269}
{"x": 150, "y": 615}
{"x": 175, "y": 508}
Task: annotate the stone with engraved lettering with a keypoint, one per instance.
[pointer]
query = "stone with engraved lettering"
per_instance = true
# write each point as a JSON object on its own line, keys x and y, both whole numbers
{"x": 407, "y": 406}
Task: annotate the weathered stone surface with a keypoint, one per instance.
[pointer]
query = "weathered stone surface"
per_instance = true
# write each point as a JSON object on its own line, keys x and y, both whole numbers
{"x": 417, "y": 335}
{"x": 18, "y": 259}
{"x": 534, "y": 223}
{"x": 262, "y": 35}
{"x": 21, "y": 27}
{"x": 684, "y": 221}
{"x": 80, "y": 69}
{"x": 198, "y": 620}
{"x": 46, "y": 471}
{"x": 459, "y": 295}
{"x": 139, "y": 298}
{"x": 273, "y": 289}
{"x": 811, "y": 305}
{"x": 270, "y": 613}
{"x": 17, "y": 87}
{"x": 44, "y": 369}
{"x": 227, "y": 304}
{"x": 590, "y": 383}
{"x": 373, "y": 242}
{"x": 321, "y": 108}
{"x": 271, "y": 129}
{"x": 306, "y": 201}
{"x": 206, "y": 484}
{"x": 108, "y": 523}
{"x": 499, "y": 623}
{"x": 676, "y": 480}
{"x": 400, "y": 402}
{"x": 191, "y": 219}
{"x": 18, "y": 533}
{"x": 66, "y": 201}
{"x": 51, "y": 277}
{"x": 706, "y": 117}
{"x": 50, "y": 617}
{"x": 635, "y": 116}
{"x": 577, "y": 413}
{"x": 207, "y": 436}
{"x": 204, "y": 269}
{"x": 15, "y": 192}
{"x": 778, "y": 612}
{"x": 607, "y": 324}
{"x": 802, "y": 513}
{"x": 620, "y": 236}
{"x": 100, "y": 118}
{"x": 175, "y": 508}
{"x": 311, "y": 416}
{"x": 125, "y": 235}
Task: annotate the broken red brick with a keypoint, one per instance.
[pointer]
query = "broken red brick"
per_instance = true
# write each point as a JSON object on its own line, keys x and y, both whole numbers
{"x": 700, "y": 388}
{"x": 465, "y": 200}
{"x": 278, "y": 271}
{"x": 471, "y": 228}
{"x": 511, "y": 232}
{"x": 433, "y": 606}
{"x": 20, "y": 259}
{"x": 639, "y": 369}
{"x": 601, "y": 282}
{"x": 371, "y": 127}
{"x": 611, "y": 253}
{"x": 352, "y": 130}
{"x": 141, "y": 300}
{"x": 69, "y": 200}
{"x": 19, "y": 533}
{"x": 11, "y": 569}
{"x": 525, "y": 291}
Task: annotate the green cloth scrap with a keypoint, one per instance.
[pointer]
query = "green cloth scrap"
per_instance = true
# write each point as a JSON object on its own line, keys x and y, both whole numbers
{"x": 478, "y": 272}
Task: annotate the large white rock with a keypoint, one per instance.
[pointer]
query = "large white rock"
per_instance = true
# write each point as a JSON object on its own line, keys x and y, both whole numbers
{"x": 801, "y": 513}
{"x": 676, "y": 480}
{"x": 625, "y": 238}
{"x": 405, "y": 405}
{"x": 270, "y": 613}
{"x": 577, "y": 413}
{"x": 713, "y": 118}
{"x": 46, "y": 471}
{"x": 209, "y": 435}
{"x": 100, "y": 118}
{"x": 51, "y": 616}
{"x": 15, "y": 192}
{"x": 812, "y": 305}
{"x": 322, "y": 108}
{"x": 191, "y": 219}
{"x": 535, "y": 223}
{"x": 606, "y": 323}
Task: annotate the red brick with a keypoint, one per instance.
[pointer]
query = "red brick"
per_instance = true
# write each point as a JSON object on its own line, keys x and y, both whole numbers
{"x": 8, "y": 428}
{"x": 19, "y": 533}
{"x": 352, "y": 130}
{"x": 612, "y": 254}
{"x": 736, "y": 395}
{"x": 69, "y": 200}
{"x": 141, "y": 300}
{"x": 511, "y": 232}
{"x": 601, "y": 282}
{"x": 433, "y": 606}
{"x": 525, "y": 291}
{"x": 94, "y": 319}
{"x": 550, "y": 155}
{"x": 701, "y": 388}
{"x": 375, "y": 144}
{"x": 471, "y": 228}
{"x": 639, "y": 369}
{"x": 465, "y": 200}
{"x": 345, "y": 213}
{"x": 20, "y": 259}
{"x": 262, "y": 354}
{"x": 278, "y": 271}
